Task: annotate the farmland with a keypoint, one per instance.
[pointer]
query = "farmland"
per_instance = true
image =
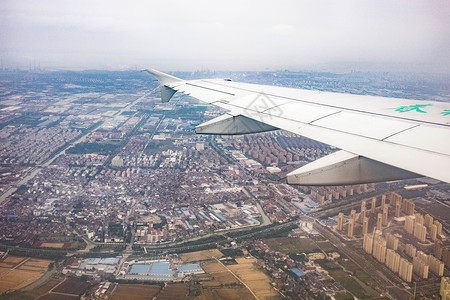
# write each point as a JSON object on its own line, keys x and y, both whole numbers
{"x": 58, "y": 297}
{"x": 326, "y": 246}
{"x": 219, "y": 283}
{"x": 18, "y": 272}
{"x": 171, "y": 291}
{"x": 255, "y": 279}
{"x": 174, "y": 291}
{"x": 201, "y": 255}
{"x": 45, "y": 287}
{"x": 225, "y": 293}
{"x": 136, "y": 291}
{"x": 292, "y": 245}
{"x": 219, "y": 274}
{"x": 71, "y": 286}
{"x": 359, "y": 284}
{"x": 235, "y": 281}
{"x": 53, "y": 289}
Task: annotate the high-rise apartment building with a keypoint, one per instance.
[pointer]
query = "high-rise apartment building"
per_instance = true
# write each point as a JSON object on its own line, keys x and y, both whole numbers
{"x": 340, "y": 224}
{"x": 405, "y": 270}
{"x": 379, "y": 221}
{"x": 351, "y": 227}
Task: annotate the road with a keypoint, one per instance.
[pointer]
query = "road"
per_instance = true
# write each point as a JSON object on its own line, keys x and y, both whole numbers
{"x": 89, "y": 244}
{"x": 265, "y": 218}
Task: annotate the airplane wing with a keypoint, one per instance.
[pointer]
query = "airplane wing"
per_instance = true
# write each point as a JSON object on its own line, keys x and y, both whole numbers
{"x": 381, "y": 138}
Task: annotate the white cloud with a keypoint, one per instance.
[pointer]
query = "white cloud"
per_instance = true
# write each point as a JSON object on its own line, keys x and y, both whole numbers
{"x": 282, "y": 29}
{"x": 224, "y": 34}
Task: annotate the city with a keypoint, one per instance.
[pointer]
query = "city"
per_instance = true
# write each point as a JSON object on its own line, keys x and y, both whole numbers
{"x": 105, "y": 192}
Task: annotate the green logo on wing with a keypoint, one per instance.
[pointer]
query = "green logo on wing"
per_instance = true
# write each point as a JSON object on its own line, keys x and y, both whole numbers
{"x": 415, "y": 107}
{"x": 446, "y": 112}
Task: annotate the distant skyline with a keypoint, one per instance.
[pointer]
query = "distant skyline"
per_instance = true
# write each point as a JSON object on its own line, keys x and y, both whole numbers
{"x": 382, "y": 35}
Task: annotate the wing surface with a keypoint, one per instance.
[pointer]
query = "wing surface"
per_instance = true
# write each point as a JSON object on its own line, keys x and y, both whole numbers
{"x": 383, "y": 138}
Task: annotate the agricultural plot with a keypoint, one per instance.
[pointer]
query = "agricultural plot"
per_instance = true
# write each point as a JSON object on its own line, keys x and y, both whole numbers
{"x": 17, "y": 279}
{"x": 225, "y": 293}
{"x": 219, "y": 274}
{"x": 175, "y": 291}
{"x": 58, "y": 297}
{"x": 326, "y": 246}
{"x": 4, "y": 270}
{"x": 213, "y": 267}
{"x": 44, "y": 288}
{"x": 13, "y": 260}
{"x": 359, "y": 284}
{"x": 71, "y": 286}
{"x": 33, "y": 262}
{"x": 18, "y": 272}
{"x": 292, "y": 245}
{"x": 136, "y": 291}
{"x": 224, "y": 285}
{"x": 254, "y": 278}
{"x": 201, "y": 255}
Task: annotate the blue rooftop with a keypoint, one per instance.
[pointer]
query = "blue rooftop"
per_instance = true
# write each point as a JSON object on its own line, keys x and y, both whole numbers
{"x": 148, "y": 277}
{"x": 110, "y": 261}
{"x": 220, "y": 217}
{"x": 189, "y": 267}
{"x": 297, "y": 205}
{"x": 298, "y": 273}
{"x": 160, "y": 268}
{"x": 139, "y": 268}
{"x": 94, "y": 261}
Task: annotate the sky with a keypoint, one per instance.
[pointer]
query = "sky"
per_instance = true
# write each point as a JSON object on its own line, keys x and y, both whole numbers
{"x": 241, "y": 35}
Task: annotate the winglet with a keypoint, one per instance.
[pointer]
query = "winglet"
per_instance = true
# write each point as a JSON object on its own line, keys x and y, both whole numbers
{"x": 164, "y": 80}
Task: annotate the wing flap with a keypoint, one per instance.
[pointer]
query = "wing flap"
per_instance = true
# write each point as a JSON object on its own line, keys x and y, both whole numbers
{"x": 342, "y": 167}
{"x": 232, "y": 125}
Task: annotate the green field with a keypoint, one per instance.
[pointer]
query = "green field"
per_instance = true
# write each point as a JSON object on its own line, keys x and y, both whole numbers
{"x": 353, "y": 278}
{"x": 326, "y": 246}
{"x": 292, "y": 245}
{"x": 343, "y": 295}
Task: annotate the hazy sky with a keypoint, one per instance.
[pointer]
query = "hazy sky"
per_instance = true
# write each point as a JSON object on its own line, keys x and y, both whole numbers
{"x": 225, "y": 35}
